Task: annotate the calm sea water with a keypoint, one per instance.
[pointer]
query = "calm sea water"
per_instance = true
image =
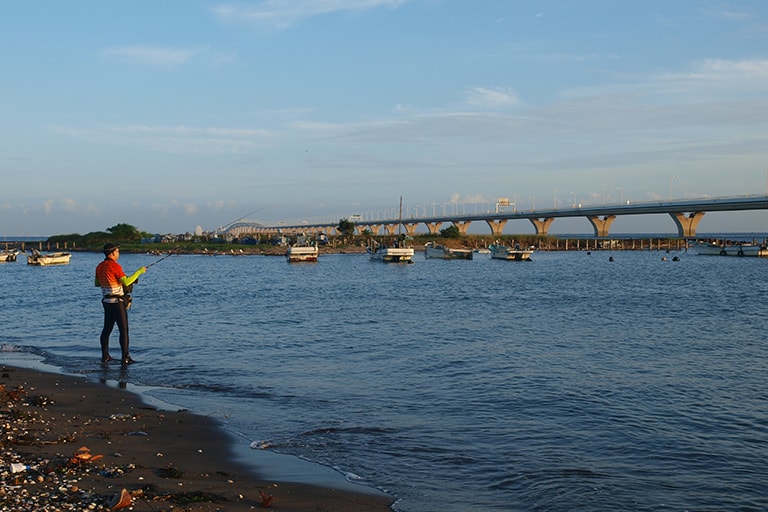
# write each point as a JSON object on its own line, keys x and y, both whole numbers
{"x": 568, "y": 383}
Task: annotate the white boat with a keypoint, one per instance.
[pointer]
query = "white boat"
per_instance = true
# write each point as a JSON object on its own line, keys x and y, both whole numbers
{"x": 298, "y": 253}
{"x": 8, "y": 255}
{"x": 482, "y": 250}
{"x": 392, "y": 254}
{"x": 746, "y": 249}
{"x": 398, "y": 252}
{"x": 516, "y": 253}
{"x": 433, "y": 250}
{"x": 51, "y": 258}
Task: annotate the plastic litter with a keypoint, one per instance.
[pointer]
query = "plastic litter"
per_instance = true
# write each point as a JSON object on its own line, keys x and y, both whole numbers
{"x": 18, "y": 468}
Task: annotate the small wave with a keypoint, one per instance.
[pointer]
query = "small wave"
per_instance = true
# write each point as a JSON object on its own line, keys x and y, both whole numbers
{"x": 349, "y": 430}
{"x": 351, "y": 477}
{"x": 261, "y": 445}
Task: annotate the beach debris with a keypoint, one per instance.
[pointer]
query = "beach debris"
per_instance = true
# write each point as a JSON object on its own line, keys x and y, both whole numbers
{"x": 117, "y": 471}
{"x": 11, "y": 395}
{"x": 122, "y": 500}
{"x": 18, "y": 468}
{"x": 79, "y": 479}
{"x": 83, "y": 456}
{"x": 266, "y": 499}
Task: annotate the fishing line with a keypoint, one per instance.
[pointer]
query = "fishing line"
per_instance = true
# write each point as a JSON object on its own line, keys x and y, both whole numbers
{"x": 128, "y": 289}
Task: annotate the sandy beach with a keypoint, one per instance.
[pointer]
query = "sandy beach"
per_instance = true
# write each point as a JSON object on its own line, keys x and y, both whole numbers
{"x": 71, "y": 444}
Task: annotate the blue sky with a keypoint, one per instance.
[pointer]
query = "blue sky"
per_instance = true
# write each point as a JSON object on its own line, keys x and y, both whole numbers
{"x": 169, "y": 115}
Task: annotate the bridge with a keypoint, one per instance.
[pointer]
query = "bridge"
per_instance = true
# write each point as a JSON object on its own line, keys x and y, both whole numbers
{"x": 685, "y": 213}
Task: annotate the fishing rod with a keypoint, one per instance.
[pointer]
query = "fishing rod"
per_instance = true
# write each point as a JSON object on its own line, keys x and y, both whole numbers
{"x": 161, "y": 259}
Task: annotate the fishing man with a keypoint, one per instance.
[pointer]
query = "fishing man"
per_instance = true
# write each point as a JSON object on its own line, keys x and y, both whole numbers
{"x": 113, "y": 281}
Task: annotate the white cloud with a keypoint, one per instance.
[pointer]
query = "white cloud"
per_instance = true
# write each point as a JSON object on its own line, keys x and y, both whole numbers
{"x": 70, "y": 205}
{"x": 172, "y": 206}
{"x": 477, "y": 198}
{"x": 705, "y": 80}
{"x": 285, "y": 13}
{"x": 221, "y": 205}
{"x": 725, "y": 12}
{"x": 150, "y": 55}
{"x": 173, "y": 139}
{"x": 720, "y": 69}
{"x": 54, "y": 206}
{"x": 713, "y": 80}
{"x": 693, "y": 103}
{"x": 495, "y": 97}
{"x": 316, "y": 126}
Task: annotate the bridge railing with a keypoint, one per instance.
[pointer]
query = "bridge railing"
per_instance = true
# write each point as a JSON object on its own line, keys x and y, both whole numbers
{"x": 721, "y": 203}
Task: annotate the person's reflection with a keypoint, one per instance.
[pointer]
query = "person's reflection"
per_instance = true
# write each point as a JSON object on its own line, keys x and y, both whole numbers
{"x": 122, "y": 376}
{"x": 122, "y": 379}
{"x": 104, "y": 373}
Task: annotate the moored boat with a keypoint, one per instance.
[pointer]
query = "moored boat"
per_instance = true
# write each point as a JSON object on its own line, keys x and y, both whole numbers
{"x": 398, "y": 252}
{"x": 744, "y": 249}
{"x": 299, "y": 253}
{"x": 516, "y": 253}
{"x": 9, "y": 255}
{"x": 394, "y": 254}
{"x": 51, "y": 258}
{"x": 433, "y": 250}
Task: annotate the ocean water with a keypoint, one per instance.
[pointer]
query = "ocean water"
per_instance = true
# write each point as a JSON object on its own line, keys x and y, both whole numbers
{"x": 565, "y": 384}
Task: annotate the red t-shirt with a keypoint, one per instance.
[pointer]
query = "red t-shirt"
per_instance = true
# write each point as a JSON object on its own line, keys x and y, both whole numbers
{"x": 109, "y": 273}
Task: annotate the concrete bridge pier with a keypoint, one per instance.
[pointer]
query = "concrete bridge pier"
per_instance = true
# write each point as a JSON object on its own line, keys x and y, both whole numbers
{"x": 434, "y": 228}
{"x": 686, "y": 223}
{"x": 542, "y": 225}
{"x": 391, "y": 229}
{"x": 602, "y": 224}
{"x": 497, "y": 226}
{"x": 462, "y": 226}
{"x": 410, "y": 228}
{"x": 374, "y": 228}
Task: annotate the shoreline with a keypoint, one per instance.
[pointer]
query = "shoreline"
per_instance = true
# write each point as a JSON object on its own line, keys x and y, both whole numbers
{"x": 77, "y": 444}
{"x": 567, "y": 242}
{"x": 546, "y": 244}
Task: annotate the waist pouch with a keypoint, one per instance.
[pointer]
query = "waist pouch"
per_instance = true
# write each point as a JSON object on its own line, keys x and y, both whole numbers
{"x": 125, "y": 299}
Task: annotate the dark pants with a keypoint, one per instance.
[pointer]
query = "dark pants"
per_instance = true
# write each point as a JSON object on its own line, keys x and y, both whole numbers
{"x": 114, "y": 313}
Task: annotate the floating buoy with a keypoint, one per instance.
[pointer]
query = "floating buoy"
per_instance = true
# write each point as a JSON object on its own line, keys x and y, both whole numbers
{"x": 610, "y": 259}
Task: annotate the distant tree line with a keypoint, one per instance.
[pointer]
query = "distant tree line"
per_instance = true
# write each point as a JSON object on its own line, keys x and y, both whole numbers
{"x": 117, "y": 233}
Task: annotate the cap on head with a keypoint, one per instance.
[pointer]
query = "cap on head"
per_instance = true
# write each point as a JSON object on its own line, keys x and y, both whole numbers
{"x": 108, "y": 248}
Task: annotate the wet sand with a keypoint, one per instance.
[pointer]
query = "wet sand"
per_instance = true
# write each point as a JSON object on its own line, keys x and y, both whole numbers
{"x": 70, "y": 444}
